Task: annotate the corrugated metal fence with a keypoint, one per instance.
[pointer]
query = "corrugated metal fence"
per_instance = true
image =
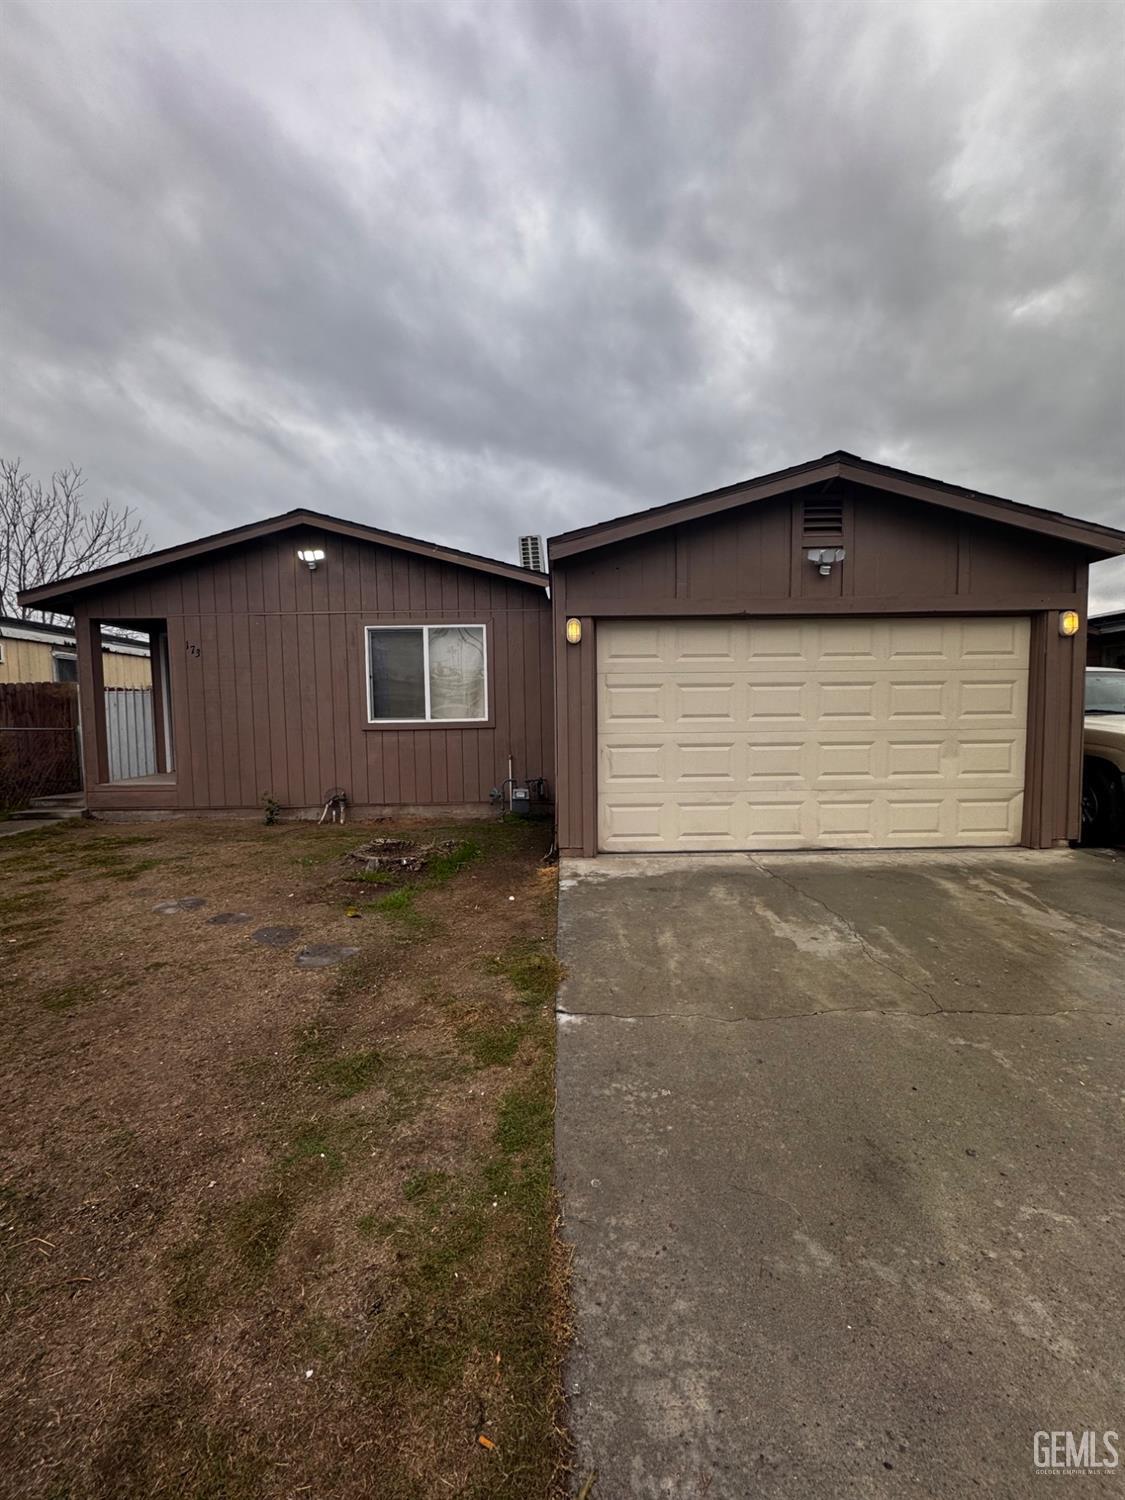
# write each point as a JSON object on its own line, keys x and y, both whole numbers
{"x": 130, "y": 733}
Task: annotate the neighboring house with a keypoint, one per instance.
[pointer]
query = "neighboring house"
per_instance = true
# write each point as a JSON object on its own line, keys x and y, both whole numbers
{"x": 34, "y": 652}
{"x": 404, "y": 674}
{"x": 1105, "y": 644}
{"x": 837, "y": 655}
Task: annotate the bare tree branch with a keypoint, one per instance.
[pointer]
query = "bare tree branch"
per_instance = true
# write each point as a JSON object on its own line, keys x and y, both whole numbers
{"x": 46, "y": 532}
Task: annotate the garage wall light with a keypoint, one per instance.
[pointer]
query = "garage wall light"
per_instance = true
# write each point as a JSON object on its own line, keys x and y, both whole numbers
{"x": 573, "y": 631}
{"x": 312, "y": 556}
{"x": 1069, "y": 622}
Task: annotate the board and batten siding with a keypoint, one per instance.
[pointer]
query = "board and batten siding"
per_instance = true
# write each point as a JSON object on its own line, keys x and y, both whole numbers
{"x": 268, "y": 675}
{"x": 903, "y": 557}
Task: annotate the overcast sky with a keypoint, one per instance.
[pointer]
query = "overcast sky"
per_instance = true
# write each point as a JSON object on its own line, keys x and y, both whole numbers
{"x": 468, "y": 270}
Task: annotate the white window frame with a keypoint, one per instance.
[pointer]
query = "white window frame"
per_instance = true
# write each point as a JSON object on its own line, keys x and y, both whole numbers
{"x": 369, "y": 631}
{"x": 57, "y": 656}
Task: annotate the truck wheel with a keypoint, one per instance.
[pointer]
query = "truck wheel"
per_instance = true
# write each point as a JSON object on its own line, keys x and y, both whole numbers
{"x": 1103, "y": 806}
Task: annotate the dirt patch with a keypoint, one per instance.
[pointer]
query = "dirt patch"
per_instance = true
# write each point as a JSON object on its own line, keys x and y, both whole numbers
{"x": 270, "y": 1231}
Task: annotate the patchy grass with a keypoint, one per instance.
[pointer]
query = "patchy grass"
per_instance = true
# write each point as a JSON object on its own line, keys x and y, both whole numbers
{"x": 492, "y": 1046}
{"x": 352, "y": 1073}
{"x": 257, "y": 1227}
{"x": 315, "y": 1205}
{"x": 397, "y": 903}
{"x": 444, "y": 866}
{"x": 531, "y": 967}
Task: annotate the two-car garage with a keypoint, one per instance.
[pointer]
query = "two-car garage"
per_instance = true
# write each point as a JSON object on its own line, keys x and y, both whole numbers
{"x": 797, "y": 733}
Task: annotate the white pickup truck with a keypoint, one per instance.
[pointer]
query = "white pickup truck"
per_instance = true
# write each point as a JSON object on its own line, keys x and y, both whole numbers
{"x": 1103, "y": 766}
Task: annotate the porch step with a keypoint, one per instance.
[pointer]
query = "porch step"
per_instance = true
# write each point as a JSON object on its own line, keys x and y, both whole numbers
{"x": 52, "y": 809}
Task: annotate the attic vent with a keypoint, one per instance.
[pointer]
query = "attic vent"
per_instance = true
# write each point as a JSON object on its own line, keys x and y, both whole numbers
{"x": 531, "y": 553}
{"x": 823, "y": 519}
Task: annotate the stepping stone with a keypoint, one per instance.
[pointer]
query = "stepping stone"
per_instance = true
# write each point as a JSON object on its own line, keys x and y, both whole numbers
{"x": 228, "y": 918}
{"x": 276, "y": 937}
{"x": 186, "y": 903}
{"x": 320, "y": 955}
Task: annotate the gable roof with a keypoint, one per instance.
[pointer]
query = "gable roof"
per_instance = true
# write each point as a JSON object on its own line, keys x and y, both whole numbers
{"x": 62, "y": 591}
{"x": 1105, "y": 541}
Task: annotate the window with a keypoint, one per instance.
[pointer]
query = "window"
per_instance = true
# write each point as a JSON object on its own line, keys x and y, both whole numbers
{"x": 66, "y": 667}
{"x": 424, "y": 673}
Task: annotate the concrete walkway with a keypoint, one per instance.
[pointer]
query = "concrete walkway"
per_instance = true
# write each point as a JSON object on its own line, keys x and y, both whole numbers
{"x": 840, "y": 1144}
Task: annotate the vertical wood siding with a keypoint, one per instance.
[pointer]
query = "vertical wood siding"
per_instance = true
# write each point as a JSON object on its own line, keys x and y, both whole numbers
{"x": 268, "y": 675}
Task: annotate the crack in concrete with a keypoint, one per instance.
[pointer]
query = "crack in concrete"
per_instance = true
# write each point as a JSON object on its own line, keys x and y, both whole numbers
{"x": 832, "y": 1010}
{"x": 880, "y": 960}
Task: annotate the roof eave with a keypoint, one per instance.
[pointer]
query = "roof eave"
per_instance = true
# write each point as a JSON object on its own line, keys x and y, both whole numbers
{"x": 714, "y": 502}
{"x": 62, "y": 592}
{"x": 1105, "y": 541}
{"x": 1100, "y": 542}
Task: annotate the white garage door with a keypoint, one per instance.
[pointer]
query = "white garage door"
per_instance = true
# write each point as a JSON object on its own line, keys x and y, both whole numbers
{"x": 805, "y": 733}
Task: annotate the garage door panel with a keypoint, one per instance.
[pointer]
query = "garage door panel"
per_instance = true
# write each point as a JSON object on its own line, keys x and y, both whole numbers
{"x": 920, "y": 642}
{"x": 627, "y": 763}
{"x": 703, "y": 644}
{"x": 855, "y": 821}
{"x": 716, "y": 763}
{"x": 775, "y": 760}
{"x": 770, "y": 643}
{"x": 990, "y": 818}
{"x": 995, "y": 642}
{"x": 624, "y": 702}
{"x": 864, "y": 734}
{"x": 839, "y": 701}
{"x": 843, "y": 760}
{"x": 704, "y": 702}
{"x": 850, "y": 641}
{"x": 997, "y": 697}
{"x": 779, "y": 702}
{"x": 1000, "y": 756}
{"x": 831, "y": 760}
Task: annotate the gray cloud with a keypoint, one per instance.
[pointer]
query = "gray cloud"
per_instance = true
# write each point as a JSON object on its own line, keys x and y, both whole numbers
{"x": 467, "y": 270}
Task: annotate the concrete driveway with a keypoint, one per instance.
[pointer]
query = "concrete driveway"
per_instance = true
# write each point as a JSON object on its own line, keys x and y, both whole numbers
{"x": 841, "y": 1151}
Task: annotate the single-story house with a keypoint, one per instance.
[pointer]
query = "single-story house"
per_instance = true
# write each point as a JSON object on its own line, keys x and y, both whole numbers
{"x": 836, "y": 655}
{"x": 31, "y": 651}
{"x": 304, "y": 654}
{"x": 1105, "y": 645}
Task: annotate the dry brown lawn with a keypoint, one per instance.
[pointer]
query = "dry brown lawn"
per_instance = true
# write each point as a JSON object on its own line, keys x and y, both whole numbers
{"x": 266, "y": 1231}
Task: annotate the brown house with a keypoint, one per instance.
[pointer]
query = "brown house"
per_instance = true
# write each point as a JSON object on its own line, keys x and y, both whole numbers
{"x": 306, "y": 654}
{"x": 838, "y": 655}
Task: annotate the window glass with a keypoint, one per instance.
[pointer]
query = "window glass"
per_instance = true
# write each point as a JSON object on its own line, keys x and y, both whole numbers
{"x": 66, "y": 669}
{"x": 1105, "y": 692}
{"x": 457, "y": 672}
{"x": 397, "y": 667}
